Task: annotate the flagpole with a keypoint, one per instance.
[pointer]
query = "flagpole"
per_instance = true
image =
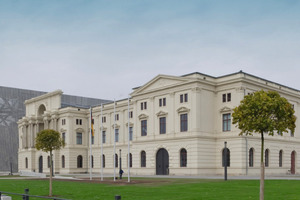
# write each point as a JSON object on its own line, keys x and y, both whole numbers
{"x": 114, "y": 140}
{"x": 128, "y": 142}
{"x": 101, "y": 131}
{"x": 91, "y": 132}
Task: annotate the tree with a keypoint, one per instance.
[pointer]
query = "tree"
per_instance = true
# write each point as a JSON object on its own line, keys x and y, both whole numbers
{"x": 264, "y": 113}
{"x": 47, "y": 141}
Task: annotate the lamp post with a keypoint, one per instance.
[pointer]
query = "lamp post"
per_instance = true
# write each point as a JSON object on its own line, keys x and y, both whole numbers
{"x": 120, "y": 172}
{"x": 225, "y": 161}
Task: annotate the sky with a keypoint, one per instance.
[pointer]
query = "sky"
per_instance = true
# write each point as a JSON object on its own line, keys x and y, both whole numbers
{"x": 104, "y": 48}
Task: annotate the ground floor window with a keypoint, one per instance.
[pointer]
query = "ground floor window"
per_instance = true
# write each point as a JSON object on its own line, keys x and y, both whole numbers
{"x": 267, "y": 158}
{"x": 251, "y": 157}
{"x": 79, "y": 161}
{"x": 143, "y": 159}
{"x": 183, "y": 158}
{"x": 280, "y": 158}
{"x": 227, "y": 153}
{"x": 63, "y": 161}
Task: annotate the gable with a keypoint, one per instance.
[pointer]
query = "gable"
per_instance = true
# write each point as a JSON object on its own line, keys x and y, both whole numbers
{"x": 160, "y": 82}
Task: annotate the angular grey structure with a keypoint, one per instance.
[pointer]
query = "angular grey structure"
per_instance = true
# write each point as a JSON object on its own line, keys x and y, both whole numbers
{"x": 12, "y": 109}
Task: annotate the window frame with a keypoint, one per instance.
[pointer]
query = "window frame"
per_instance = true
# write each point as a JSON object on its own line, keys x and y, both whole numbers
{"x": 144, "y": 127}
{"x": 184, "y": 122}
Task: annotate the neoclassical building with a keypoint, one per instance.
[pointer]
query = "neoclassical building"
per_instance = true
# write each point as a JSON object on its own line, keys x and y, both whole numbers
{"x": 177, "y": 126}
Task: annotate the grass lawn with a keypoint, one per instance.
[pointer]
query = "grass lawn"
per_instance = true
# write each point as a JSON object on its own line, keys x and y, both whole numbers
{"x": 158, "y": 189}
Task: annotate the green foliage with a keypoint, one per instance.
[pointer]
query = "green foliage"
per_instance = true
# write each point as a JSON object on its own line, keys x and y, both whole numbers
{"x": 264, "y": 112}
{"x": 49, "y": 140}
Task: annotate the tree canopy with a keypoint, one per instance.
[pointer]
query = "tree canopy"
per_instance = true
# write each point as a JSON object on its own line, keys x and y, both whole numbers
{"x": 264, "y": 112}
{"x": 48, "y": 140}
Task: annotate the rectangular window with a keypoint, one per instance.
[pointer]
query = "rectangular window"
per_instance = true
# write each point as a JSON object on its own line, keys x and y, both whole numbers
{"x": 104, "y": 137}
{"x": 78, "y": 138}
{"x": 63, "y": 122}
{"x": 144, "y": 106}
{"x": 117, "y": 117}
{"x": 162, "y": 102}
{"x": 183, "y": 98}
{"x": 226, "y": 122}
{"x": 144, "y": 127}
{"x": 93, "y": 139}
{"x": 183, "y": 122}
{"x": 162, "y": 125}
{"x": 224, "y": 98}
{"x": 130, "y": 133}
{"x": 131, "y": 114}
{"x": 228, "y": 97}
{"x": 103, "y": 119}
{"x": 78, "y": 121}
{"x": 116, "y": 135}
{"x": 63, "y": 136}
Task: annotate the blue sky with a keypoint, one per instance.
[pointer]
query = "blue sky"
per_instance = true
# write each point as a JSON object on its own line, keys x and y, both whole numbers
{"x": 103, "y": 49}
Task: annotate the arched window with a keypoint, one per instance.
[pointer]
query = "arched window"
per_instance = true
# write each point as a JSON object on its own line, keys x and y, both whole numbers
{"x": 183, "y": 158}
{"x": 227, "y": 157}
{"x": 92, "y": 157}
{"x": 48, "y": 161}
{"x": 267, "y": 158}
{"x": 79, "y": 161}
{"x": 143, "y": 159}
{"x": 26, "y": 162}
{"x": 251, "y": 157}
{"x": 116, "y": 160}
{"x": 103, "y": 160}
{"x": 130, "y": 160}
{"x": 63, "y": 161}
{"x": 280, "y": 158}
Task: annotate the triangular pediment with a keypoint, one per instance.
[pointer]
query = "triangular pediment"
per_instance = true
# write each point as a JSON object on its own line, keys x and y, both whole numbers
{"x": 161, "y": 113}
{"x": 225, "y": 109}
{"x": 183, "y": 109}
{"x": 143, "y": 116}
{"x": 160, "y": 82}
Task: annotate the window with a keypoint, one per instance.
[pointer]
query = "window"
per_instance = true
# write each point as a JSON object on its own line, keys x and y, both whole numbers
{"x": 162, "y": 125}
{"x": 280, "y": 158}
{"x": 26, "y": 162}
{"x": 183, "y": 98}
{"x": 92, "y": 157}
{"x": 227, "y": 157}
{"x": 116, "y": 135}
{"x": 103, "y": 119}
{"x": 226, "y": 97}
{"x": 226, "y": 122}
{"x": 78, "y": 121}
{"x": 162, "y": 102}
{"x": 144, "y": 127}
{"x": 130, "y": 133}
{"x": 131, "y": 114}
{"x": 183, "y": 122}
{"x": 78, "y": 138}
{"x": 130, "y": 160}
{"x": 63, "y": 122}
{"x": 291, "y": 133}
{"x": 117, "y": 117}
{"x": 48, "y": 159}
{"x": 144, "y": 106}
{"x": 93, "y": 139}
{"x": 267, "y": 158}
{"x": 103, "y": 160}
{"x": 104, "y": 137}
{"x": 63, "y": 162}
{"x": 251, "y": 157}
{"x": 143, "y": 159}
{"x": 183, "y": 158}
{"x": 116, "y": 160}
{"x": 63, "y": 136}
{"x": 79, "y": 161}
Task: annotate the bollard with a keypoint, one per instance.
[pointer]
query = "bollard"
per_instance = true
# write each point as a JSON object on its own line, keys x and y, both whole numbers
{"x": 25, "y": 197}
{"x": 117, "y": 197}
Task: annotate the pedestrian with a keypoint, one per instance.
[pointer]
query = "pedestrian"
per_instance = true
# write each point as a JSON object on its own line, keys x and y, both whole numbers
{"x": 121, "y": 173}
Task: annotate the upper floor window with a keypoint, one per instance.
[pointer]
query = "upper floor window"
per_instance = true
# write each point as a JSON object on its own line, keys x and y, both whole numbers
{"x": 226, "y": 122}
{"x": 104, "y": 119}
{"x": 63, "y": 122}
{"x": 78, "y": 121}
{"x": 131, "y": 114}
{"x": 144, "y": 127}
{"x": 103, "y": 137}
{"x": 130, "y": 133}
{"x": 63, "y": 136}
{"x": 162, "y": 125}
{"x": 78, "y": 138}
{"x": 226, "y": 97}
{"x": 183, "y": 122}
{"x": 117, "y": 117}
{"x": 183, "y": 98}
{"x": 144, "y": 106}
{"x": 93, "y": 139}
{"x": 116, "y": 135}
{"x": 162, "y": 102}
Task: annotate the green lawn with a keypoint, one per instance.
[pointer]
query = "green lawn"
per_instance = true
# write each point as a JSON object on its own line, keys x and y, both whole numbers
{"x": 160, "y": 189}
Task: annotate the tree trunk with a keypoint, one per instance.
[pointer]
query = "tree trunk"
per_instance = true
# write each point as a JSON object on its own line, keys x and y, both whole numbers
{"x": 50, "y": 180}
{"x": 262, "y": 169}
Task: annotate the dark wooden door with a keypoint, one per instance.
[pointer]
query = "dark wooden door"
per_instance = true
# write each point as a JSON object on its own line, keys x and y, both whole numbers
{"x": 41, "y": 164}
{"x": 162, "y": 162}
{"x": 293, "y": 162}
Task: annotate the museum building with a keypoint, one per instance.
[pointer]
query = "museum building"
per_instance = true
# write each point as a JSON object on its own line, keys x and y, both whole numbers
{"x": 173, "y": 125}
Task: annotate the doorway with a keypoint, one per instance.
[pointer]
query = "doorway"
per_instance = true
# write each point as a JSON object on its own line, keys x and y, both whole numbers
{"x": 162, "y": 162}
{"x": 41, "y": 164}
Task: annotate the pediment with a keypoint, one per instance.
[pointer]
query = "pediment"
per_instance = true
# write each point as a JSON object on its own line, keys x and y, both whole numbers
{"x": 160, "y": 82}
{"x": 225, "y": 109}
{"x": 117, "y": 126}
{"x": 143, "y": 116}
{"x": 183, "y": 109}
{"x": 161, "y": 113}
{"x": 130, "y": 124}
{"x": 79, "y": 130}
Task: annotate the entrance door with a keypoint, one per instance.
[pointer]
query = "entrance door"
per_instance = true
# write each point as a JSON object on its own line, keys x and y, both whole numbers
{"x": 162, "y": 162}
{"x": 41, "y": 164}
{"x": 293, "y": 155}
